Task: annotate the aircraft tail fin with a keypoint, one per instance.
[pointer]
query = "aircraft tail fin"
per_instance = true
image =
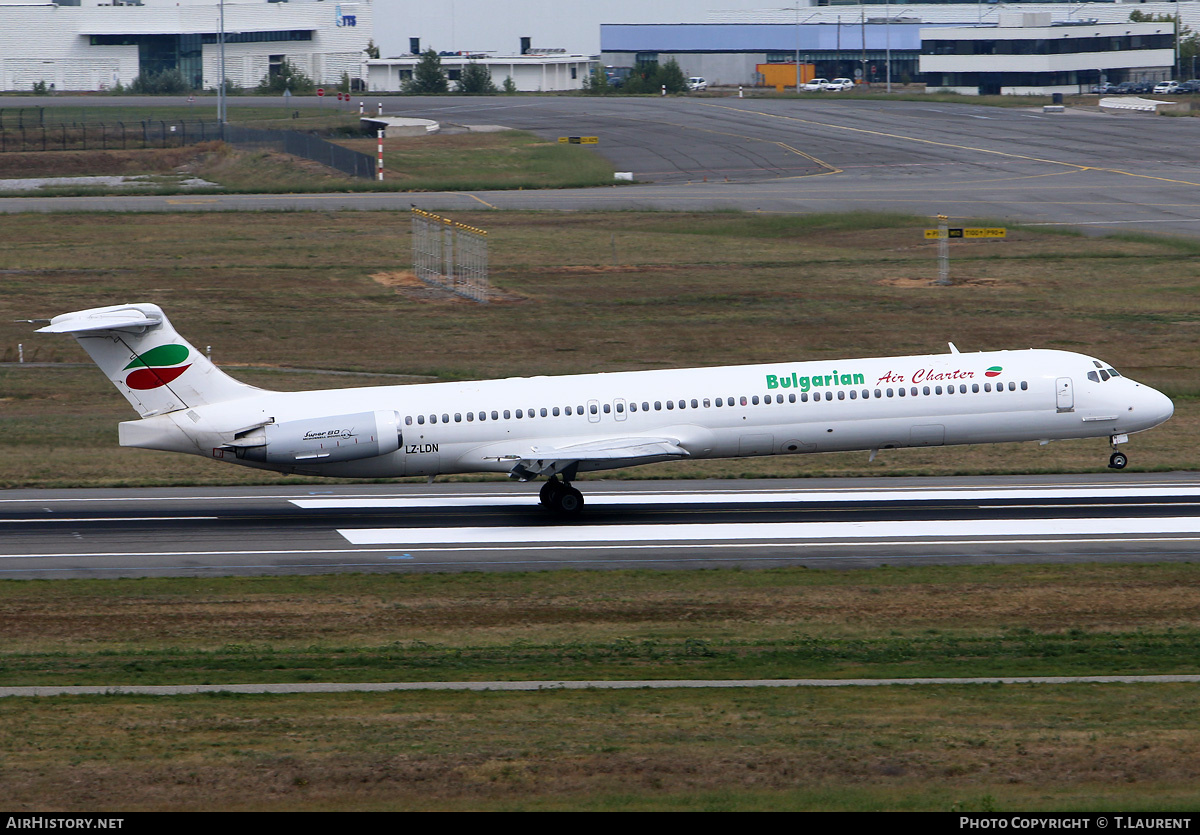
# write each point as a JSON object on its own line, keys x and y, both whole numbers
{"x": 155, "y": 368}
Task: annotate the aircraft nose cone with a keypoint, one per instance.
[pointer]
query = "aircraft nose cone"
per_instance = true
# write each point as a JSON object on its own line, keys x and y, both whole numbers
{"x": 1163, "y": 408}
{"x": 1151, "y": 407}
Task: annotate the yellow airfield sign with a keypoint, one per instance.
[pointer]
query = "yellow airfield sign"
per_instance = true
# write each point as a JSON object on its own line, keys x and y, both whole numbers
{"x": 579, "y": 140}
{"x": 967, "y": 232}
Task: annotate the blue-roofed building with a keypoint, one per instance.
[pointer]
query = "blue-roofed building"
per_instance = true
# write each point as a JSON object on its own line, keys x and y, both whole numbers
{"x": 730, "y": 53}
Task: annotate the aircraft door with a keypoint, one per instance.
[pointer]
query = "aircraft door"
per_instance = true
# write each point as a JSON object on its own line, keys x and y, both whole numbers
{"x": 1065, "y": 395}
{"x": 619, "y": 408}
{"x": 593, "y": 411}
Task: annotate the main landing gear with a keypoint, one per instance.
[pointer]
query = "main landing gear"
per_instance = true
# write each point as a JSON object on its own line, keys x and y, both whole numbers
{"x": 560, "y": 497}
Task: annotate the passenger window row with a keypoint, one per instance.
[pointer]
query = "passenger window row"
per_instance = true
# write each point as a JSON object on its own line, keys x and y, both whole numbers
{"x": 717, "y": 402}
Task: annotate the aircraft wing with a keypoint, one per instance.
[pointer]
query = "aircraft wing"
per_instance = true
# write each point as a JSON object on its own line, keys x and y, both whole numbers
{"x": 602, "y": 454}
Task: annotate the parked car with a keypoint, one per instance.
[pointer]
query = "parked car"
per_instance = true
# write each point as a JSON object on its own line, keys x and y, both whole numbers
{"x": 839, "y": 85}
{"x": 696, "y": 83}
{"x": 1166, "y": 87}
{"x": 815, "y": 86}
{"x": 1192, "y": 86}
{"x": 1105, "y": 89}
{"x": 617, "y": 75}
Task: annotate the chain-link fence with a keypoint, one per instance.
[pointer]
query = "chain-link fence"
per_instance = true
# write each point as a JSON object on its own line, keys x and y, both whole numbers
{"x": 450, "y": 255}
{"x": 306, "y": 145}
{"x": 105, "y": 136}
{"x": 30, "y": 131}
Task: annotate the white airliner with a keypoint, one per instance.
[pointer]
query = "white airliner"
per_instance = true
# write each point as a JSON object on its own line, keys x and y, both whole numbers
{"x": 558, "y": 427}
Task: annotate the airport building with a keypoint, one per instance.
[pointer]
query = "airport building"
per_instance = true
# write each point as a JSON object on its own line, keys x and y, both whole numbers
{"x": 1029, "y": 53}
{"x": 966, "y": 48}
{"x": 80, "y": 45}
{"x": 531, "y": 72}
{"x": 773, "y": 53}
{"x": 576, "y": 25}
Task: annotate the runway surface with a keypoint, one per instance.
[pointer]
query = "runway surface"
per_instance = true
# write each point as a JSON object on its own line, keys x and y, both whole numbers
{"x": 655, "y": 525}
{"x": 1083, "y": 168}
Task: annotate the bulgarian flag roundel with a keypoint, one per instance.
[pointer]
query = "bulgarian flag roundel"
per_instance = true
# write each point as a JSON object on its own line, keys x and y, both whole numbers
{"x": 157, "y": 367}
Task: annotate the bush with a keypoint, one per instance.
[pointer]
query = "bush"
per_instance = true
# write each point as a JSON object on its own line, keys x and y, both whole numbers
{"x": 476, "y": 80}
{"x": 287, "y": 78}
{"x": 167, "y": 82}
{"x": 649, "y": 77}
{"x": 597, "y": 84}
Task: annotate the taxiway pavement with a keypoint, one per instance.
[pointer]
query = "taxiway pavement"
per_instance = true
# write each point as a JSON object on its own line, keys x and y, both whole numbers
{"x": 1083, "y": 168}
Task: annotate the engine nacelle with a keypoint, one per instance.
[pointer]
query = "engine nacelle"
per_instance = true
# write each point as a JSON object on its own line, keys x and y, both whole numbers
{"x": 324, "y": 440}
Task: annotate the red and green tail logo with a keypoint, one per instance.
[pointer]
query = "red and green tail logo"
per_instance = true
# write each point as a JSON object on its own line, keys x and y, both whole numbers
{"x": 157, "y": 367}
{"x": 994, "y": 371}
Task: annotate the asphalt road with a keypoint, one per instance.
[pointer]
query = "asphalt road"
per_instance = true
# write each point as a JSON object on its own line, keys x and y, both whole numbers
{"x": 660, "y": 525}
{"x": 1082, "y": 168}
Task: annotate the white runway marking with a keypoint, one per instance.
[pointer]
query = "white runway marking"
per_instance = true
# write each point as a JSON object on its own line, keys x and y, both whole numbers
{"x": 577, "y": 535}
{"x": 421, "y": 502}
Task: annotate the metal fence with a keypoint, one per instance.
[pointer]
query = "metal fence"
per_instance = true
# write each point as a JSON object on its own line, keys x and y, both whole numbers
{"x": 27, "y": 132}
{"x": 450, "y": 255}
{"x": 96, "y": 136}
{"x": 306, "y": 145}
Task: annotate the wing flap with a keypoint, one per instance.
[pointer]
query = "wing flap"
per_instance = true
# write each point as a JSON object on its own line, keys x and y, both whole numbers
{"x": 600, "y": 454}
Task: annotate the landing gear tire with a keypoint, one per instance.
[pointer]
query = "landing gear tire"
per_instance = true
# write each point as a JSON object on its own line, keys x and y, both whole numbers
{"x": 561, "y": 498}
{"x": 568, "y": 501}
{"x": 548, "y": 491}
{"x": 1118, "y": 460}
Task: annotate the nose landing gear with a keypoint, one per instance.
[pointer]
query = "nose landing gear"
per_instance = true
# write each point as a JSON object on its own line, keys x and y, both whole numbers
{"x": 560, "y": 497}
{"x": 1118, "y": 460}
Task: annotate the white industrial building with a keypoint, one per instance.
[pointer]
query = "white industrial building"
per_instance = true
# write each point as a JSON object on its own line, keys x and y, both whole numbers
{"x": 497, "y": 26}
{"x": 78, "y": 45}
{"x": 531, "y": 73}
{"x": 1029, "y": 53}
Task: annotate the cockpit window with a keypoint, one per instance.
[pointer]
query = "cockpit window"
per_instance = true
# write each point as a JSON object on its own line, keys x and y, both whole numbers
{"x": 1104, "y": 374}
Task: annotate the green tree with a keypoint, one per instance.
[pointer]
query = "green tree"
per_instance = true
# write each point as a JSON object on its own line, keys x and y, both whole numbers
{"x": 428, "y": 76}
{"x": 671, "y": 76}
{"x": 476, "y": 80}
{"x": 596, "y": 84}
{"x": 510, "y": 86}
{"x": 372, "y": 50}
{"x": 1188, "y": 41}
{"x": 641, "y": 78}
{"x": 287, "y": 77}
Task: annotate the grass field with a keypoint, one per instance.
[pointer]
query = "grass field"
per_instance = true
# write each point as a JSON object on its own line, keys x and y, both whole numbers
{"x": 967, "y": 748}
{"x": 453, "y": 162}
{"x": 1077, "y": 747}
{"x": 274, "y": 293}
{"x": 580, "y": 293}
